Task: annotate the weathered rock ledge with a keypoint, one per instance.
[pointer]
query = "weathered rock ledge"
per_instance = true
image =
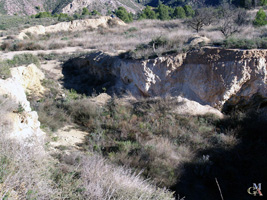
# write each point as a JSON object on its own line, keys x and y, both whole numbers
{"x": 209, "y": 76}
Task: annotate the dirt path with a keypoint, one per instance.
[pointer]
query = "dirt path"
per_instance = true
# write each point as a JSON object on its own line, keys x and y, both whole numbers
{"x": 69, "y": 136}
{"x": 66, "y": 50}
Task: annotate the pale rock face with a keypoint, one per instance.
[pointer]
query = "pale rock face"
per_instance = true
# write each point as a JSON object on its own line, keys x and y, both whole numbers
{"x": 209, "y": 76}
{"x": 30, "y": 78}
{"x": 101, "y": 5}
{"x": 76, "y": 25}
{"x": 24, "y": 125}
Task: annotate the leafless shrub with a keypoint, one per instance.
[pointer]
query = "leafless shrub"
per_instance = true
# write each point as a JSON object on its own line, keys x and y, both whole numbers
{"x": 203, "y": 17}
{"x": 232, "y": 20}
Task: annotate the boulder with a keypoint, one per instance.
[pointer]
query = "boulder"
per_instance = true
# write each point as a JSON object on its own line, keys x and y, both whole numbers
{"x": 193, "y": 41}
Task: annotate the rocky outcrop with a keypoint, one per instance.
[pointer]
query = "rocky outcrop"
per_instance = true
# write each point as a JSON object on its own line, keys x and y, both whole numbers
{"x": 209, "y": 76}
{"x": 27, "y": 7}
{"x": 22, "y": 123}
{"x": 198, "y": 40}
{"x": 101, "y": 5}
{"x": 76, "y": 25}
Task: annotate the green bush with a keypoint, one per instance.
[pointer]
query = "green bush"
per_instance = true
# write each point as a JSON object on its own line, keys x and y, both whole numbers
{"x": 163, "y": 12}
{"x": 24, "y": 59}
{"x": 156, "y": 47}
{"x": 259, "y": 43}
{"x": 4, "y": 70}
{"x": 95, "y": 12}
{"x": 124, "y": 15}
{"x": 85, "y": 11}
{"x": 189, "y": 11}
{"x": 263, "y": 2}
{"x": 260, "y": 19}
{"x": 64, "y": 17}
{"x": 148, "y": 13}
{"x": 18, "y": 60}
{"x": 77, "y": 16}
{"x": 43, "y": 15}
{"x": 179, "y": 13}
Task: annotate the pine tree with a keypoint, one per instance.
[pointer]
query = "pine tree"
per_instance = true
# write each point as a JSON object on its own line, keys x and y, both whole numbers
{"x": 122, "y": 13}
{"x": 179, "y": 13}
{"x": 148, "y": 13}
{"x": 260, "y": 19}
{"x": 189, "y": 11}
{"x": 163, "y": 12}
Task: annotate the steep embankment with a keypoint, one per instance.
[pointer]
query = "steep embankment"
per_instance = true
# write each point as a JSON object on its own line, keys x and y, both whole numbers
{"x": 210, "y": 76}
{"x": 18, "y": 120}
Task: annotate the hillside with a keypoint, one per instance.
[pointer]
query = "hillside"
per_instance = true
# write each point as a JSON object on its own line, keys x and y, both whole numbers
{"x": 29, "y": 7}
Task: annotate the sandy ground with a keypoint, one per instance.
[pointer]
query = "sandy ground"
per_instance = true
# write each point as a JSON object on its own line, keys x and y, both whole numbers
{"x": 69, "y": 136}
{"x": 53, "y": 69}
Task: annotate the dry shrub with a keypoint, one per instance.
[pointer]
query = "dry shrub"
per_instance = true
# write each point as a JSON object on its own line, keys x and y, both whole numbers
{"x": 57, "y": 45}
{"x": 50, "y": 114}
{"x": 23, "y": 169}
{"x": 106, "y": 181}
{"x": 21, "y": 45}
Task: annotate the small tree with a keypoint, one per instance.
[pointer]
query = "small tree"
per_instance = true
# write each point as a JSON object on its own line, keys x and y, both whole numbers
{"x": 148, "y": 13}
{"x": 179, "y": 13}
{"x": 163, "y": 12}
{"x": 189, "y": 11}
{"x": 231, "y": 20}
{"x": 85, "y": 11}
{"x": 124, "y": 15}
{"x": 260, "y": 19}
{"x": 203, "y": 17}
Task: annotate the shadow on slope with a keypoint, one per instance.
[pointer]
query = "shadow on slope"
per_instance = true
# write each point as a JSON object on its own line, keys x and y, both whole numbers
{"x": 91, "y": 74}
{"x": 236, "y": 169}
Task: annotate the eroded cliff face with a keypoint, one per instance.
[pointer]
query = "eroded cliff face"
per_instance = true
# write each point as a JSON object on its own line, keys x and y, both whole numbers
{"x": 18, "y": 121}
{"x": 210, "y": 76}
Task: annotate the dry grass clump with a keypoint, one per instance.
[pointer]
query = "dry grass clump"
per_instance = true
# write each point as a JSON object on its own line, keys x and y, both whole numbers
{"x": 90, "y": 176}
{"x": 22, "y": 172}
{"x": 11, "y": 45}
